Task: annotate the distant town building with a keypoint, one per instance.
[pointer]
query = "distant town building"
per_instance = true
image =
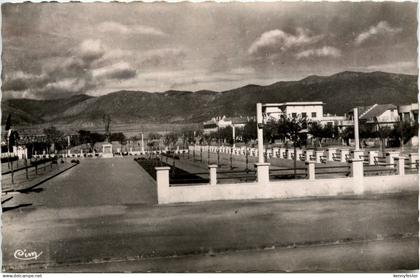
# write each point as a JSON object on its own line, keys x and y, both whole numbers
{"x": 311, "y": 110}
{"x": 383, "y": 114}
{"x": 222, "y": 122}
{"x": 409, "y": 112}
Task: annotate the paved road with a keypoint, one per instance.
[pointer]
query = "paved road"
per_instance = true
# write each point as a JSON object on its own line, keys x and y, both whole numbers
{"x": 392, "y": 255}
{"x": 95, "y": 182}
{"x": 105, "y": 210}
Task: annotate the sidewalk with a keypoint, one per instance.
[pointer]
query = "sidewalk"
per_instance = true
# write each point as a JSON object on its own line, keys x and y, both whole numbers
{"x": 22, "y": 182}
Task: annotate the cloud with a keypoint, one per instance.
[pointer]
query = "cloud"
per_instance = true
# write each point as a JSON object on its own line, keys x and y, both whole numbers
{"x": 115, "y": 27}
{"x": 164, "y": 57}
{"x": 21, "y": 81}
{"x": 91, "y": 50}
{"x": 326, "y": 51}
{"x": 275, "y": 41}
{"x": 121, "y": 70}
{"x": 90, "y": 65}
{"x": 381, "y": 29}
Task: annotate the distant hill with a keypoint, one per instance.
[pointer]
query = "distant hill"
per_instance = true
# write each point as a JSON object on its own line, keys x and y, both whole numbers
{"x": 340, "y": 92}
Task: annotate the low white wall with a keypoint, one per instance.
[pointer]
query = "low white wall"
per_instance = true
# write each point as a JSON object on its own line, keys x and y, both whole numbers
{"x": 287, "y": 189}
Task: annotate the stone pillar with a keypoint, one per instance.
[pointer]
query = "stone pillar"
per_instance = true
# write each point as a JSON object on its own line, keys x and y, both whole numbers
{"x": 390, "y": 156}
{"x": 329, "y": 153}
{"x": 276, "y": 152}
{"x": 281, "y": 152}
{"x": 308, "y": 154}
{"x": 400, "y": 165}
{"x": 372, "y": 155}
{"x": 412, "y": 158}
{"x": 162, "y": 181}
{"x": 344, "y": 153}
{"x": 311, "y": 169}
{"x": 289, "y": 153}
{"x": 318, "y": 155}
{"x": 357, "y": 155}
{"x": 357, "y": 175}
{"x": 263, "y": 174}
{"x": 213, "y": 174}
{"x": 298, "y": 153}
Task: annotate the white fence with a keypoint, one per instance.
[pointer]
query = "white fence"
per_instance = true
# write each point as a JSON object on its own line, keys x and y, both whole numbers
{"x": 263, "y": 188}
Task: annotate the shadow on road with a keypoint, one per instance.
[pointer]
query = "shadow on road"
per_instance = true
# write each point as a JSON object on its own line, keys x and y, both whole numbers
{"x": 16, "y": 207}
{"x": 31, "y": 190}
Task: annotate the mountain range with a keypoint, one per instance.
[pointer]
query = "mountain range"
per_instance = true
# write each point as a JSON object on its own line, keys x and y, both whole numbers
{"x": 340, "y": 93}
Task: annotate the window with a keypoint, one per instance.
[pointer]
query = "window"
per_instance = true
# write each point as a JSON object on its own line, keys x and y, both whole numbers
{"x": 313, "y": 114}
{"x": 293, "y": 115}
{"x": 304, "y": 115}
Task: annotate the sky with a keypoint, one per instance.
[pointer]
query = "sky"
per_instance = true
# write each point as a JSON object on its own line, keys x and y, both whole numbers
{"x": 55, "y": 50}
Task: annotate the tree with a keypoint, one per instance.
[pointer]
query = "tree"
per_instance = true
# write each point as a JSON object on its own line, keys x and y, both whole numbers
{"x": 293, "y": 129}
{"x": 317, "y": 131}
{"x": 250, "y": 131}
{"x": 271, "y": 131}
{"x": 225, "y": 134}
{"x": 404, "y": 130}
{"x": 54, "y": 136}
{"x": 118, "y": 136}
{"x": 90, "y": 138}
{"x": 13, "y": 140}
{"x": 170, "y": 139}
{"x": 346, "y": 134}
{"x": 154, "y": 136}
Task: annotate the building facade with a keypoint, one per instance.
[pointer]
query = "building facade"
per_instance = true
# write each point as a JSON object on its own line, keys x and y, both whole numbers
{"x": 311, "y": 110}
{"x": 409, "y": 112}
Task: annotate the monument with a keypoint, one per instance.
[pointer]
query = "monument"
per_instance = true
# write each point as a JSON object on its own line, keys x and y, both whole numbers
{"x": 107, "y": 147}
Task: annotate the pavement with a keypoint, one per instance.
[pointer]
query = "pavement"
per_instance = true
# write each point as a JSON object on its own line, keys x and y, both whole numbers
{"x": 23, "y": 180}
{"x": 103, "y": 216}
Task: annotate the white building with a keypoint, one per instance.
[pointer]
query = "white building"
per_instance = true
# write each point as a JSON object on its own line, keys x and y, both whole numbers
{"x": 409, "y": 112}
{"x": 382, "y": 114}
{"x": 222, "y": 122}
{"x": 311, "y": 110}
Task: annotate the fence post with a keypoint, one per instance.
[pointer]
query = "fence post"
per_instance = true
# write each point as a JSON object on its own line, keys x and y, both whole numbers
{"x": 263, "y": 174}
{"x": 26, "y": 168}
{"x": 208, "y": 155}
{"x": 201, "y": 153}
{"x": 213, "y": 174}
{"x": 311, "y": 169}
{"x": 357, "y": 155}
{"x": 318, "y": 155}
{"x": 162, "y": 181}
{"x": 11, "y": 169}
{"x": 231, "y": 158}
{"x": 400, "y": 165}
{"x": 246, "y": 159}
{"x": 412, "y": 158}
{"x": 390, "y": 156}
{"x": 329, "y": 154}
{"x": 36, "y": 166}
{"x": 343, "y": 153}
{"x": 372, "y": 155}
